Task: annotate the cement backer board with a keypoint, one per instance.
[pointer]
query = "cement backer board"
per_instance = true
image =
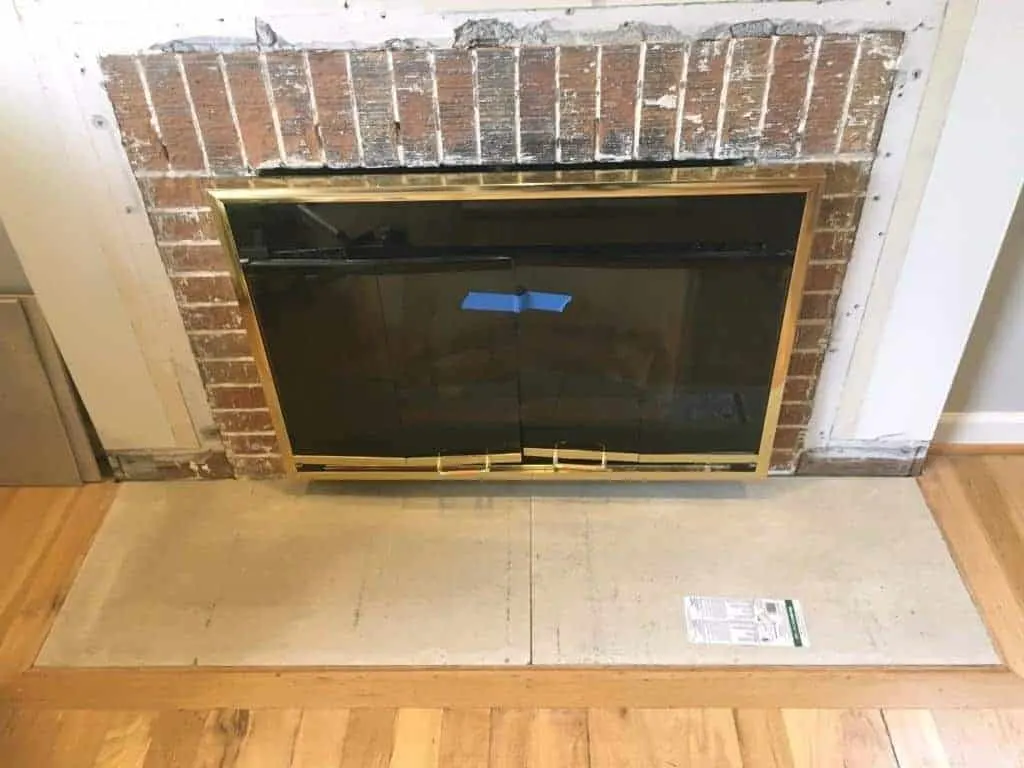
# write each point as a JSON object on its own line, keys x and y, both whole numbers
{"x": 862, "y": 555}
{"x": 263, "y": 573}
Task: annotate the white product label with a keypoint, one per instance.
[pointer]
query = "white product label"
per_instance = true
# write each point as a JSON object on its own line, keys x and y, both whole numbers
{"x": 753, "y": 621}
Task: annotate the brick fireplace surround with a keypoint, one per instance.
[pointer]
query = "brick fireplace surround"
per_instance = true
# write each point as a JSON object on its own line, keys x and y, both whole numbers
{"x": 192, "y": 121}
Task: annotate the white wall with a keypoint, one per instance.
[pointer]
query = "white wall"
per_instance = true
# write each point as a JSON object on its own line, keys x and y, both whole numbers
{"x": 987, "y": 401}
{"x": 972, "y": 189}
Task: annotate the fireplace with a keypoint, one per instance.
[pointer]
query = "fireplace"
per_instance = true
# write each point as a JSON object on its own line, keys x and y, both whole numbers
{"x": 218, "y": 120}
{"x": 634, "y": 324}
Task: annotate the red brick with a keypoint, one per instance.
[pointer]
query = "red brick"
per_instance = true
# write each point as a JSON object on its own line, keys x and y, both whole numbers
{"x": 252, "y": 444}
{"x": 333, "y": 92}
{"x": 817, "y": 306}
{"x": 189, "y": 225}
{"x": 788, "y": 438}
{"x": 141, "y": 142}
{"x": 795, "y": 414}
{"x": 846, "y": 179}
{"x": 237, "y": 397}
{"x": 537, "y": 91}
{"x": 782, "y": 460}
{"x": 832, "y": 246}
{"x": 824, "y": 276}
{"x": 258, "y": 466}
{"x": 748, "y": 75}
{"x": 663, "y": 70}
{"x": 289, "y": 84}
{"x": 620, "y": 71}
{"x": 220, "y": 318}
{"x": 212, "y": 346}
{"x": 203, "y": 289}
{"x": 195, "y": 258}
{"x": 455, "y": 101}
{"x": 880, "y": 53}
{"x": 804, "y": 363}
{"x": 839, "y": 212}
{"x": 496, "y": 88}
{"x": 206, "y": 84}
{"x": 703, "y": 97}
{"x": 249, "y": 94}
{"x": 797, "y": 390}
{"x": 372, "y": 82}
{"x": 174, "y": 192}
{"x": 786, "y": 95}
{"x": 828, "y": 94}
{"x": 415, "y": 91}
{"x": 577, "y": 101}
{"x": 811, "y": 336}
{"x": 173, "y": 113}
{"x": 243, "y": 421}
{"x": 229, "y": 372}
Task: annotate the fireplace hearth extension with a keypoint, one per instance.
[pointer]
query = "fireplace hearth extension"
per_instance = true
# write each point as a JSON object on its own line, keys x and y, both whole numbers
{"x": 622, "y": 324}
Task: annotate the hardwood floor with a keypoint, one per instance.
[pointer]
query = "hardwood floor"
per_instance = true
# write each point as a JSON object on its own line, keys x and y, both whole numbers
{"x": 511, "y": 738}
{"x": 662, "y": 717}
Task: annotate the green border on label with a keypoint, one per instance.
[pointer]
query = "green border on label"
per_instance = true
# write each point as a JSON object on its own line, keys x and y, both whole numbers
{"x": 793, "y": 624}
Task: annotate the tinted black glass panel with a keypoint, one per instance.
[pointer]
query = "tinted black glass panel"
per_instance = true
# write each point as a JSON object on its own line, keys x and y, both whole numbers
{"x": 643, "y": 325}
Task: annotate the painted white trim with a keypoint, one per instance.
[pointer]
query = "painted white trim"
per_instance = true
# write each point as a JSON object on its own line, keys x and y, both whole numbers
{"x": 970, "y": 197}
{"x": 981, "y": 427}
{"x": 76, "y": 219}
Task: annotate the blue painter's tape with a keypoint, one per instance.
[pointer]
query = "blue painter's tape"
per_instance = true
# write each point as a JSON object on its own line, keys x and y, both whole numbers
{"x": 546, "y": 302}
{"x": 481, "y": 301}
{"x": 514, "y": 303}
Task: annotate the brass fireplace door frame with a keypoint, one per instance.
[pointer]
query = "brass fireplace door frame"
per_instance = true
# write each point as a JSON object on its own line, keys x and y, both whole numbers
{"x": 565, "y": 462}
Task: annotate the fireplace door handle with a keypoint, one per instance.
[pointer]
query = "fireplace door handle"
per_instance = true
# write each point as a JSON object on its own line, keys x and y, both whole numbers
{"x": 516, "y": 303}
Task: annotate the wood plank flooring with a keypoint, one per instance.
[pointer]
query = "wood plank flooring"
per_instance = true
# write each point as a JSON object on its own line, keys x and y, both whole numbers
{"x": 509, "y": 718}
{"x": 512, "y": 738}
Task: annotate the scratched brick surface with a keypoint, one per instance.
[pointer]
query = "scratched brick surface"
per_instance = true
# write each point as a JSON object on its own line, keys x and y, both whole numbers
{"x": 577, "y": 101}
{"x": 376, "y": 114}
{"x": 455, "y": 103}
{"x": 497, "y": 98}
{"x": 537, "y": 98}
{"x": 620, "y": 72}
{"x": 828, "y": 94}
{"x": 249, "y": 94}
{"x": 869, "y": 99}
{"x": 138, "y": 136}
{"x": 703, "y": 95}
{"x": 415, "y": 92}
{"x": 173, "y": 113}
{"x": 748, "y": 78}
{"x": 332, "y": 90}
{"x": 206, "y": 84}
{"x": 663, "y": 70}
{"x": 786, "y": 96}
{"x": 289, "y": 84}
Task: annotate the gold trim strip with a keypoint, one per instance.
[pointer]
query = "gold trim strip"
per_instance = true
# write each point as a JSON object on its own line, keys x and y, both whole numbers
{"x": 425, "y": 462}
{"x": 543, "y": 473}
{"x": 580, "y": 454}
{"x": 699, "y": 458}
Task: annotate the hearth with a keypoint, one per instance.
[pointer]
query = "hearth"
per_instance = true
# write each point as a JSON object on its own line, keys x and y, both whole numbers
{"x": 626, "y": 324}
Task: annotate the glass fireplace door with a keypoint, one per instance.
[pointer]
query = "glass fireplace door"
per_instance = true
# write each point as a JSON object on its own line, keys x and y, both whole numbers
{"x": 375, "y": 361}
{"x": 657, "y": 358}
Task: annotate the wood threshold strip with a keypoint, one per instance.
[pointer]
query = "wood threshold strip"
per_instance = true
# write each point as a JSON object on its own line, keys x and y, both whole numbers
{"x": 744, "y": 687}
{"x": 977, "y": 524}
